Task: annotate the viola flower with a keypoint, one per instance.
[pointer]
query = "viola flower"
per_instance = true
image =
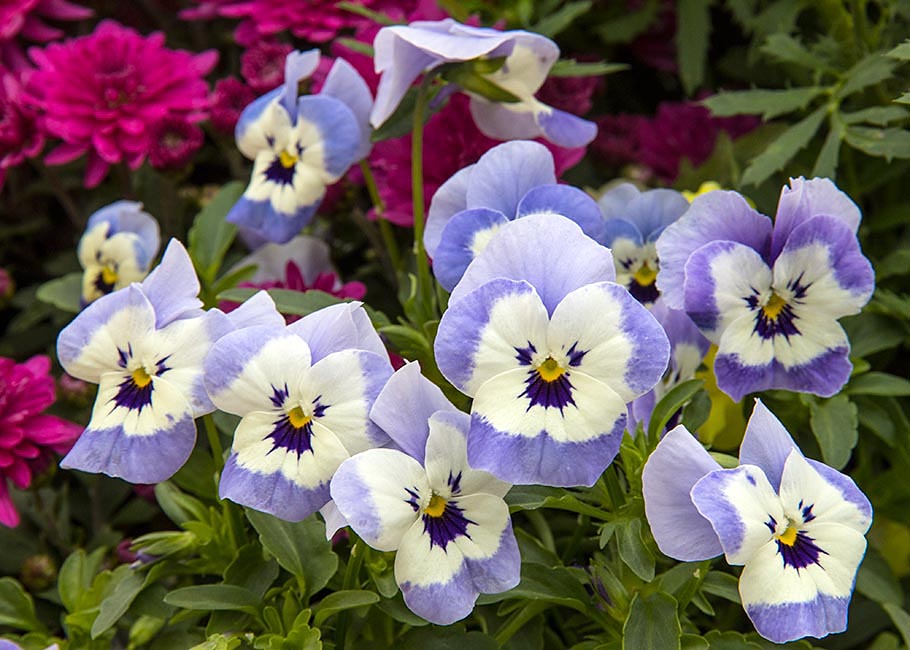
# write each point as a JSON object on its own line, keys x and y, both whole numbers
{"x": 687, "y": 349}
{"x": 446, "y": 520}
{"x": 21, "y": 133}
{"x": 228, "y": 100}
{"x": 511, "y": 181}
{"x": 304, "y": 393}
{"x": 551, "y": 349}
{"x": 174, "y": 141}
{"x": 102, "y": 93}
{"x": 299, "y": 145}
{"x": 28, "y": 437}
{"x": 770, "y": 297}
{"x": 262, "y": 65}
{"x": 144, "y": 346}
{"x": 634, "y": 221}
{"x": 796, "y": 525}
{"x": 403, "y": 52}
{"x": 119, "y": 244}
{"x": 24, "y": 19}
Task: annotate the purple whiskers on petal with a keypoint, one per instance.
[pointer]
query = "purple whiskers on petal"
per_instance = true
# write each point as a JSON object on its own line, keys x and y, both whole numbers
{"x": 444, "y": 521}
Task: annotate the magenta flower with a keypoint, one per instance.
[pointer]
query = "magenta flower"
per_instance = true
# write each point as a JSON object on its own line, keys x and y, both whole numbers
{"x": 24, "y": 19}
{"x": 617, "y": 138}
{"x": 262, "y": 65}
{"x": 27, "y": 436}
{"x": 21, "y": 136}
{"x": 102, "y": 93}
{"x": 174, "y": 141}
{"x": 228, "y": 100}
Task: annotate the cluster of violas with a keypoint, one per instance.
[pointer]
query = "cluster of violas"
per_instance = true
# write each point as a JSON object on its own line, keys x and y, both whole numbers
{"x": 566, "y": 317}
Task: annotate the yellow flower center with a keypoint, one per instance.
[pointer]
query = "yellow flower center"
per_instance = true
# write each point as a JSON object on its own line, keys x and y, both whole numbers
{"x": 141, "y": 378}
{"x": 108, "y": 275}
{"x": 788, "y": 537}
{"x": 774, "y": 306}
{"x": 288, "y": 160}
{"x": 549, "y": 370}
{"x": 297, "y": 418}
{"x": 436, "y": 506}
{"x": 645, "y": 275}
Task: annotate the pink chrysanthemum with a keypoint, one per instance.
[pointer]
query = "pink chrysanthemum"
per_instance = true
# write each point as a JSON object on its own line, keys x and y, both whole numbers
{"x": 27, "y": 436}
{"x": 617, "y": 138}
{"x": 262, "y": 65}
{"x": 228, "y": 100}
{"x": 317, "y": 21}
{"x": 174, "y": 141}
{"x": 451, "y": 141}
{"x": 102, "y": 93}
{"x": 21, "y": 136}
{"x": 24, "y": 19}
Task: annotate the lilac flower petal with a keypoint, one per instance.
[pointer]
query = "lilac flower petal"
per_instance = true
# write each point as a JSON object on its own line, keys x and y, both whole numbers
{"x": 718, "y": 215}
{"x": 614, "y": 202}
{"x": 824, "y": 254}
{"x": 620, "y": 229}
{"x": 617, "y": 339}
{"x": 680, "y": 329}
{"x": 567, "y": 201}
{"x": 507, "y": 172}
{"x": 128, "y": 216}
{"x": 803, "y": 200}
{"x": 564, "y": 129}
{"x": 480, "y": 335}
{"x": 446, "y": 460}
{"x": 795, "y": 620}
{"x": 287, "y": 483}
{"x": 252, "y": 369}
{"x": 515, "y": 121}
{"x": 345, "y": 83}
{"x": 404, "y": 406}
{"x": 449, "y": 199}
{"x": 146, "y": 445}
{"x": 721, "y": 278}
{"x": 370, "y": 490}
{"x": 501, "y": 571}
{"x": 311, "y": 255}
{"x": 465, "y": 235}
{"x": 258, "y": 310}
{"x": 849, "y": 491}
{"x": 738, "y": 502}
{"x": 766, "y": 444}
{"x": 88, "y": 346}
{"x": 547, "y": 251}
{"x": 338, "y": 129}
{"x": 338, "y": 327}
{"x": 259, "y": 119}
{"x": 260, "y": 218}
{"x": 678, "y": 462}
{"x": 173, "y": 287}
{"x": 334, "y": 520}
{"x": 297, "y": 66}
{"x": 490, "y": 550}
{"x": 519, "y": 441}
{"x": 654, "y": 210}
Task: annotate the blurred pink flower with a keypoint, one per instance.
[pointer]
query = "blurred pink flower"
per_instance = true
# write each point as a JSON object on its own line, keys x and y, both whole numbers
{"x": 25, "y": 19}
{"x": 684, "y": 130}
{"x": 102, "y": 93}
{"x": 617, "y": 138}
{"x": 21, "y": 136}
{"x": 27, "y": 437}
{"x": 228, "y": 100}
{"x": 174, "y": 141}
{"x": 7, "y": 286}
{"x": 262, "y": 65}
{"x": 570, "y": 94}
{"x": 656, "y": 47}
{"x": 451, "y": 141}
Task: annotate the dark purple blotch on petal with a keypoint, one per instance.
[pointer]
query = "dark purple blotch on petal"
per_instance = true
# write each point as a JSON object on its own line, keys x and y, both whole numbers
{"x": 446, "y": 527}
{"x": 643, "y": 293}
{"x": 132, "y": 395}
{"x": 803, "y": 551}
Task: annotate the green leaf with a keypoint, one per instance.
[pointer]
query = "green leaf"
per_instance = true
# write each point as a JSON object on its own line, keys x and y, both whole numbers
{"x": 692, "y": 39}
{"x": 826, "y": 163}
{"x": 251, "y": 570}
{"x": 878, "y": 383}
{"x": 870, "y": 70}
{"x": 467, "y": 76}
{"x": 718, "y": 583}
{"x": 340, "y": 601}
{"x": 76, "y": 575}
{"x": 17, "y": 608}
{"x": 628, "y": 25}
{"x": 901, "y": 52}
{"x": 299, "y": 303}
{"x": 901, "y": 620}
{"x": 652, "y": 623}
{"x": 211, "y": 236}
{"x": 554, "y": 23}
{"x": 64, "y": 293}
{"x": 877, "y": 115}
{"x": 118, "y": 602}
{"x": 357, "y": 46}
{"x": 787, "y": 49}
{"x": 693, "y": 642}
{"x": 439, "y": 638}
{"x": 573, "y": 68}
{"x": 179, "y": 507}
{"x": 217, "y": 597}
{"x": 882, "y": 143}
{"x": 555, "y": 585}
{"x": 671, "y": 403}
{"x": 300, "y": 547}
{"x": 875, "y": 580}
{"x": 835, "y": 425}
{"x": 783, "y": 148}
{"x": 532, "y": 497}
{"x": 769, "y": 103}
{"x": 729, "y": 641}
{"x": 633, "y": 551}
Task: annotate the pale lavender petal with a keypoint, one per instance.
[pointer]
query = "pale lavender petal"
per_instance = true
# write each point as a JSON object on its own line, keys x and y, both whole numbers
{"x": 262, "y": 220}
{"x": 345, "y": 83}
{"x": 338, "y": 129}
{"x": 173, "y": 287}
{"x": 678, "y": 462}
{"x": 258, "y": 310}
{"x": 128, "y": 216}
{"x": 567, "y": 201}
{"x": 338, "y": 327}
{"x": 311, "y": 255}
{"x": 766, "y": 444}
{"x": 297, "y": 66}
{"x": 450, "y": 199}
{"x": 507, "y": 172}
{"x": 564, "y": 129}
{"x": 465, "y": 236}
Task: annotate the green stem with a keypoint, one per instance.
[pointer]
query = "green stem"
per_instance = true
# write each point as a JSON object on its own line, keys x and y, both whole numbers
{"x": 517, "y": 621}
{"x": 542, "y": 528}
{"x": 385, "y": 228}
{"x": 214, "y": 442}
{"x": 351, "y": 581}
{"x": 424, "y": 282}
